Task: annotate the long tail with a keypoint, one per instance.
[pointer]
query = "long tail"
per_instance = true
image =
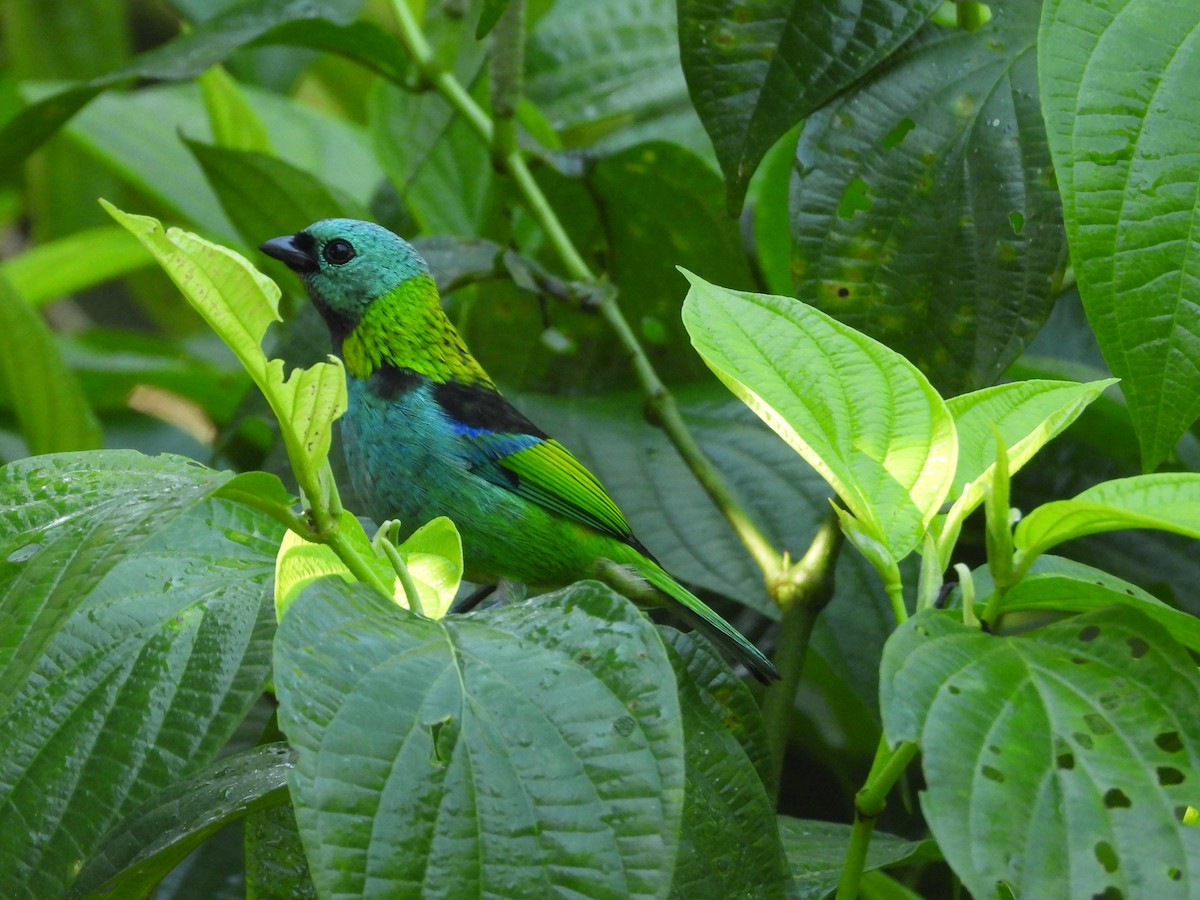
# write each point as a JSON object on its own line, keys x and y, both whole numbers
{"x": 697, "y": 614}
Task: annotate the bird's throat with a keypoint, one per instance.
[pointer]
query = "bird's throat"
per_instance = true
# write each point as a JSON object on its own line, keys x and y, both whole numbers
{"x": 407, "y": 329}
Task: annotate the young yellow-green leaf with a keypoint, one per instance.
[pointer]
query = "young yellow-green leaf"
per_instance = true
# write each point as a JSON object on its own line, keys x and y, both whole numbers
{"x": 1167, "y": 502}
{"x": 234, "y": 122}
{"x": 1026, "y": 414}
{"x": 1058, "y": 761}
{"x": 433, "y": 554}
{"x": 73, "y": 263}
{"x": 236, "y": 300}
{"x": 51, "y": 409}
{"x": 239, "y": 302}
{"x": 859, "y": 413}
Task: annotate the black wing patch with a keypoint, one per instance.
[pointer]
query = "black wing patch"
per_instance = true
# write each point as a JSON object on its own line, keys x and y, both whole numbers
{"x": 483, "y": 409}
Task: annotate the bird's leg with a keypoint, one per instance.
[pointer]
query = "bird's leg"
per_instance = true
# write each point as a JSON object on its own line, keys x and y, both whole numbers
{"x": 473, "y": 599}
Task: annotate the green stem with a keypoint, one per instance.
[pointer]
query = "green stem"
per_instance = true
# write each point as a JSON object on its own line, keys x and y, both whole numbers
{"x": 894, "y": 587}
{"x": 663, "y": 403}
{"x": 886, "y": 770}
{"x": 337, "y": 542}
{"x": 406, "y": 580}
{"x": 804, "y": 591}
{"x": 507, "y": 70}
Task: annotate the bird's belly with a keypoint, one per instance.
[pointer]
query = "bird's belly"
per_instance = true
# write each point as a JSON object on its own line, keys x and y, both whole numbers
{"x": 404, "y": 466}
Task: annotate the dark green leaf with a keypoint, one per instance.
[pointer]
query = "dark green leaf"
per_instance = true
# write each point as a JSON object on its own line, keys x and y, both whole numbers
{"x": 1122, "y": 106}
{"x": 816, "y": 851}
{"x": 509, "y": 752}
{"x": 150, "y": 841}
{"x": 606, "y": 74}
{"x": 53, "y": 413}
{"x": 730, "y": 845}
{"x": 137, "y": 623}
{"x": 1057, "y": 762}
{"x": 756, "y": 69}
{"x": 276, "y": 867}
{"x": 662, "y": 208}
{"x": 489, "y": 15}
{"x": 924, "y": 211}
{"x": 266, "y": 197}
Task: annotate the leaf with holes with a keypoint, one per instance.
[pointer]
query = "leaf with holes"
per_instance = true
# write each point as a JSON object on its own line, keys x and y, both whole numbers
{"x": 756, "y": 69}
{"x": 859, "y": 413}
{"x": 1058, "y": 761}
{"x": 136, "y": 634}
{"x": 1121, "y": 80}
{"x": 924, "y": 211}
{"x": 519, "y": 749}
{"x": 1168, "y": 502}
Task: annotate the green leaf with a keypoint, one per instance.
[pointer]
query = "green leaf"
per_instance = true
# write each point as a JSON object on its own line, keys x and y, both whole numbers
{"x": 729, "y": 846}
{"x": 52, "y": 411}
{"x": 489, "y": 15}
{"x": 73, "y": 263}
{"x": 1026, "y": 415}
{"x": 1170, "y": 502}
{"x": 1056, "y": 762}
{"x": 299, "y": 563}
{"x": 1122, "y": 107}
{"x": 439, "y": 166}
{"x": 1069, "y": 586}
{"x": 606, "y": 74}
{"x": 265, "y": 197}
{"x": 239, "y": 302}
{"x": 511, "y": 751}
{"x": 276, "y": 868}
{"x": 294, "y": 22}
{"x": 756, "y": 69}
{"x": 663, "y": 190}
{"x": 152, "y": 840}
{"x": 235, "y": 125}
{"x": 923, "y": 207}
{"x": 136, "y": 629}
{"x": 434, "y": 557}
{"x": 876, "y": 430}
{"x": 686, "y": 532}
{"x": 816, "y": 851}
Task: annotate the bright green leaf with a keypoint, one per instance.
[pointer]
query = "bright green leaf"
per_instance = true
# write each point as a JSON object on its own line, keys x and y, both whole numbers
{"x": 1025, "y": 414}
{"x": 235, "y": 125}
{"x": 434, "y": 557}
{"x": 859, "y": 413}
{"x": 1057, "y": 761}
{"x": 51, "y": 409}
{"x": 1122, "y": 88}
{"x": 1169, "y": 502}
{"x": 74, "y": 263}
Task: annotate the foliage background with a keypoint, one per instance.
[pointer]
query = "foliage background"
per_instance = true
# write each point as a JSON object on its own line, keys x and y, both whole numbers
{"x": 917, "y": 201}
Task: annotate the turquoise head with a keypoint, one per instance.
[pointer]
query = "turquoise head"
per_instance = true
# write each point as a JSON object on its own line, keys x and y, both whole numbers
{"x": 345, "y": 265}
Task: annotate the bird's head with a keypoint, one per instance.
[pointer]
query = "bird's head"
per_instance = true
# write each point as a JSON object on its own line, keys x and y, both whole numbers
{"x": 346, "y": 264}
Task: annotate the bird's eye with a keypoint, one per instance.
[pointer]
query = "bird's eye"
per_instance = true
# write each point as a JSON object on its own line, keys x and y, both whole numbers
{"x": 339, "y": 251}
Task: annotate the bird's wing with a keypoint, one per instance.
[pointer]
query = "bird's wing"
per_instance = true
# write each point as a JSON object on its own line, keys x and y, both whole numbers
{"x": 504, "y": 447}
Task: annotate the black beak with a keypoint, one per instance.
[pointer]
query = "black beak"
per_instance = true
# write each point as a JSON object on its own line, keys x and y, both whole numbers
{"x": 296, "y": 251}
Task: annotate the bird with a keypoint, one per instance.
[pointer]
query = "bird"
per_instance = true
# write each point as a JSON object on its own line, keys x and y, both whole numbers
{"x": 426, "y": 433}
